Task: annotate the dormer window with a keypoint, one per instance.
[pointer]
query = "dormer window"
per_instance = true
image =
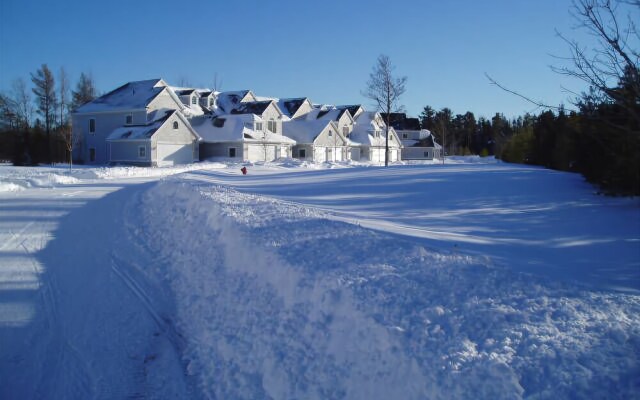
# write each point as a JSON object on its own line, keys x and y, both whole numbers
{"x": 258, "y": 126}
{"x": 175, "y": 124}
{"x": 211, "y": 101}
{"x": 345, "y": 130}
{"x": 194, "y": 100}
{"x": 128, "y": 119}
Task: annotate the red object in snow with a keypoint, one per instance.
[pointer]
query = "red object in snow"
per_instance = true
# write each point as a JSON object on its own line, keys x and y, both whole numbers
{"x": 244, "y": 170}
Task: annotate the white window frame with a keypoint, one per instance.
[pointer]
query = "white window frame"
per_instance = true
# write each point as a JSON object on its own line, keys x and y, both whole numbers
{"x": 176, "y": 125}
{"x": 272, "y": 126}
{"x": 345, "y": 130}
{"x": 259, "y": 126}
{"x": 142, "y": 152}
{"x": 92, "y": 125}
{"x": 194, "y": 100}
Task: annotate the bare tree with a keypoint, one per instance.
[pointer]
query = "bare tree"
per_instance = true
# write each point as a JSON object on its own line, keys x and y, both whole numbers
{"x": 613, "y": 59}
{"x": 64, "y": 126}
{"x": 385, "y": 90}
{"x": 217, "y": 83}
{"x": 84, "y": 93}
{"x": 21, "y": 104}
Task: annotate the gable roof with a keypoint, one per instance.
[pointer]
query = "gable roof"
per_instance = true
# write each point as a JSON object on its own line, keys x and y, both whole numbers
{"x": 365, "y": 127}
{"x": 141, "y": 131}
{"x": 305, "y": 131}
{"x": 291, "y": 106}
{"x": 255, "y": 107}
{"x": 228, "y": 101}
{"x": 353, "y": 109}
{"x": 130, "y": 96}
{"x": 235, "y": 128}
{"x": 146, "y": 131}
{"x": 183, "y": 92}
{"x": 252, "y": 107}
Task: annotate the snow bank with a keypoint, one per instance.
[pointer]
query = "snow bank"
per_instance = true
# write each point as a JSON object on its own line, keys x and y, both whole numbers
{"x": 20, "y": 178}
{"x": 275, "y": 300}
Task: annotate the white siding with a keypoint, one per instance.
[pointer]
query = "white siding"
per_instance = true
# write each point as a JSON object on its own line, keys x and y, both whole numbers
{"x": 420, "y": 153}
{"x": 105, "y": 124}
{"x": 164, "y": 101}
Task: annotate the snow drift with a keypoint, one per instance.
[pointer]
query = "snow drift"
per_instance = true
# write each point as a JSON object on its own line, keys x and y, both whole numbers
{"x": 278, "y": 301}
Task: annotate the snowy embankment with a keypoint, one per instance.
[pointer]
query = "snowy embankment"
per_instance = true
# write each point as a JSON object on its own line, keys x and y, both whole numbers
{"x": 277, "y": 300}
{"x": 317, "y": 281}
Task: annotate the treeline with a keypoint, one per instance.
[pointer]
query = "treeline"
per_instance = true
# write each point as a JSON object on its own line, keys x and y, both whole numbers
{"x": 463, "y": 134}
{"x": 600, "y": 140}
{"x": 35, "y": 124}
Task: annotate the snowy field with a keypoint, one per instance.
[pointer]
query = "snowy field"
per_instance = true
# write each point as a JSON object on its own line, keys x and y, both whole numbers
{"x": 473, "y": 279}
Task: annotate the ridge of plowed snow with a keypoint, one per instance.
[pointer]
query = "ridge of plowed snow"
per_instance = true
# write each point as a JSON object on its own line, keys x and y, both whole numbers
{"x": 276, "y": 300}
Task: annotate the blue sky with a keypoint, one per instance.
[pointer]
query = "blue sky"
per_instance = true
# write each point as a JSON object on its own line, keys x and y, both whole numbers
{"x": 323, "y": 50}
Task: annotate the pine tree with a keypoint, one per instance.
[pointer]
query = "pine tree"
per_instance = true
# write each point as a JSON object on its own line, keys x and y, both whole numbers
{"x": 46, "y": 100}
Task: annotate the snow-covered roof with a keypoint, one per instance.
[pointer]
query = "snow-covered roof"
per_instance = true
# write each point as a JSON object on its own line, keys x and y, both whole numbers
{"x": 130, "y": 96}
{"x": 233, "y": 128}
{"x": 364, "y": 131}
{"x": 352, "y": 108}
{"x": 142, "y": 131}
{"x": 304, "y": 131}
{"x": 252, "y": 107}
{"x": 228, "y": 101}
{"x": 291, "y": 105}
{"x": 421, "y": 138}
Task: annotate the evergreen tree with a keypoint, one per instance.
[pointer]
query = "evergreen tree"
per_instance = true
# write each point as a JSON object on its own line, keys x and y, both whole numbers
{"x": 46, "y": 99}
{"x": 427, "y": 118}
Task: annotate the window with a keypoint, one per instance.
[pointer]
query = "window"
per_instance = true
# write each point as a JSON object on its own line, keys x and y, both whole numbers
{"x": 194, "y": 100}
{"x": 211, "y": 101}
{"x": 218, "y": 122}
{"x": 258, "y": 126}
{"x": 92, "y": 154}
{"x": 142, "y": 151}
{"x": 345, "y": 130}
{"x": 302, "y": 153}
{"x": 405, "y": 136}
{"x": 128, "y": 120}
{"x": 175, "y": 124}
{"x": 232, "y": 152}
{"x": 92, "y": 126}
{"x": 330, "y": 133}
{"x": 426, "y": 154}
{"x": 271, "y": 126}
{"x": 391, "y": 137}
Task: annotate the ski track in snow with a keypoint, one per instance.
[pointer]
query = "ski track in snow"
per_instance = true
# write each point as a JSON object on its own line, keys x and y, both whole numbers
{"x": 192, "y": 289}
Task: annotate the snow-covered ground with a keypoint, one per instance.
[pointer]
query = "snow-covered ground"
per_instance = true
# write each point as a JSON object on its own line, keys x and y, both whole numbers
{"x": 473, "y": 279}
